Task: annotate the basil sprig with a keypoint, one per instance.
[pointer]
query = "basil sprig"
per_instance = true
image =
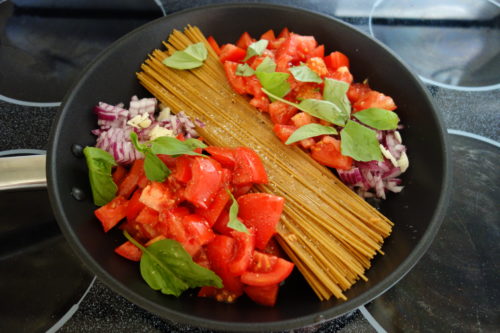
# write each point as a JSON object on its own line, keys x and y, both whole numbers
{"x": 166, "y": 266}
{"x": 154, "y": 167}
{"x": 380, "y": 119}
{"x": 234, "y": 223}
{"x": 256, "y": 48}
{"x": 310, "y": 131}
{"x": 100, "y": 164}
{"x": 276, "y": 83}
{"x": 303, "y": 73}
{"x": 335, "y": 91}
{"x": 360, "y": 142}
{"x": 244, "y": 70}
{"x": 191, "y": 57}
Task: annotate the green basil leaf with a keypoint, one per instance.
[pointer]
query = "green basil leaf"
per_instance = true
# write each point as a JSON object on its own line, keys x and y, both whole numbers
{"x": 335, "y": 91}
{"x": 100, "y": 164}
{"x": 380, "y": 119}
{"x": 276, "y": 83}
{"x": 192, "y": 56}
{"x": 304, "y": 74}
{"x": 360, "y": 142}
{"x": 310, "y": 131}
{"x": 244, "y": 70}
{"x": 325, "y": 110}
{"x": 135, "y": 141}
{"x": 154, "y": 168}
{"x": 267, "y": 65}
{"x": 172, "y": 146}
{"x": 256, "y": 48}
{"x": 166, "y": 266}
{"x": 234, "y": 222}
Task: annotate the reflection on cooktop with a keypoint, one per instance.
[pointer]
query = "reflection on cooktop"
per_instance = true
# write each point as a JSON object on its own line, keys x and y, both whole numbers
{"x": 456, "y": 285}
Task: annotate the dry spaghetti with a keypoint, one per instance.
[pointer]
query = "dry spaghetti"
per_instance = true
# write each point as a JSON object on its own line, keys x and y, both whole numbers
{"x": 326, "y": 229}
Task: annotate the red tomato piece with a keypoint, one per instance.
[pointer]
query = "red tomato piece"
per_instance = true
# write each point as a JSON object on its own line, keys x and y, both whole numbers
{"x": 157, "y": 196}
{"x": 231, "y": 52}
{"x": 129, "y": 183}
{"x": 236, "y": 81}
{"x": 213, "y": 44}
{"x": 249, "y": 168}
{"x": 374, "y": 99}
{"x": 244, "y": 248}
{"x": 119, "y": 174}
{"x": 305, "y": 45}
{"x": 308, "y": 90}
{"x": 317, "y": 65}
{"x": 261, "y": 103}
{"x": 147, "y": 216}
{"x": 274, "y": 249}
{"x": 275, "y": 44}
{"x": 212, "y": 213}
{"x": 245, "y": 40}
{"x": 356, "y": 91}
{"x": 134, "y": 205}
{"x": 268, "y": 35}
{"x": 220, "y": 225}
{"x": 262, "y": 212}
{"x": 154, "y": 240}
{"x": 341, "y": 74}
{"x": 240, "y": 190}
{"x": 182, "y": 170}
{"x": 285, "y": 33}
{"x": 111, "y": 213}
{"x": 327, "y": 152}
{"x": 253, "y": 86}
{"x": 262, "y": 295}
{"x": 223, "y": 155}
{"x": 336, "y": 60}
{"x": 201, "y": 258}
{"x": 129, "y": 251}
{"x": 198, "y": 230}
{"x": 307, "y": 143}
{"x": 318, "y": 52}
{"x": 205, "y": 182}
{"x": 170, "y": 223}
{"x": 283, "y": 132}
{"x": 170, "y": 160}
{"x": 260, "y": 276}
{"x": 302, "y": 118}
{"x": 281, "y": 113}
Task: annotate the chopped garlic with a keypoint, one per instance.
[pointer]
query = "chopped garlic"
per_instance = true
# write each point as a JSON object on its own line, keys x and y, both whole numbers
{"x": 159, "y": 131}
{"x": 403, "y": 162}
{"x": 389, "y": 156}
{"x": 164, "y": 114}
{"x": 398, "y": 137}
{"x": 140, "y": 121}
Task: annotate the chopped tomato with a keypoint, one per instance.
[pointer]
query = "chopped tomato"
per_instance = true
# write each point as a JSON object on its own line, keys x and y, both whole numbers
{"x": 356, "y": 91}
{"x": 281, "y": 112}
{"x": 244, "y": 248}
{"x": 283, "y": 132}
{"x": 134, "y": 205}
{"x": 170, "y": 222}
{"x": 308, "y": 90}
{"x": 266, "y": 271}
{"x": 240, "y": 190}
{"x": 212, "y": 213}
{"x": 249, "y": 168}
{"x": 261, "y": 103}
{"x": 223, "y": 155}
{"x": 170, "y": 160}
{"x": 154, "y": 240}
{"x": 111, "y": 213}
{"x": 268, "y": 35}
{"x": 231, "y": 52}
{"x": 253, "y": 86}
{"x": 236, "y": 81}
{"x": 147, "y": 216}
{"x": 307, "y": 143}
{"x": 198, "y": 229}
{"x": 317, "y": 52}
{"x": 182, "y": 170}
{"x": 205, "y": 182}
{"x": 374, "y": 99}
{"x": 341, "y": 74}
{"x": 129, "y": 251}
{"x": 285, "y": 33}
{"x": 263, "y": 295}
{"x": 317, "y": 65}
{"x": 261, "y": 211}
{"x": 302, "y": 118}
{"x": 213, "y": 43}
{"x": 244, "y": 41}
{"x": 336, "y": 60}
{"x": 129, "y": 183}
{"x": 327, "y": 152}
{"x": 119, "y": 174}
{"x": 157, "y": 196}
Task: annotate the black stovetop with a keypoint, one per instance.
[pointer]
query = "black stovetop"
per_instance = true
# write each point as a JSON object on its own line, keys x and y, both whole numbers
{"x": 453, "y": 46}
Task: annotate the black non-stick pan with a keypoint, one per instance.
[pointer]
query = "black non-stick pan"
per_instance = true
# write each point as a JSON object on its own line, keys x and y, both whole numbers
{"x": 417, "y": 211}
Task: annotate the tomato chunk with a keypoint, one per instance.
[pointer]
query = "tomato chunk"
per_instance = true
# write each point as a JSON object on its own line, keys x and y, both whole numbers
{"x": 336, "y": 60}
{"x": 281, "y": 113}
{"x": 259, "y": 277}
{"x": 183, "y": 168}
{"x": 170, "y": 223}
{"x": 236, "y": 81}
{"x": 205, "y": 182}
{"x": 244, "y": 248}
{"x": 129, "y": 183}
{"x": 147, "y": 216}
{"x": 119, "y": 174}
{"x": 223, "y": 155}
{"x": 244, "y": 41}
{"x": 212, "y": 213}
{"x": 283, "y": 132}
{"x": 134, "y": 205}
{"x": 157, "y": 196}
{"x": 263, "y": 295}
{"x": 213, "y": 44}
{"x": 111, "y": 213}
{"x": 374, "y": 99}
{"x": 327, "y": 152}
{"x": 129, "y": 251}
{"x": 261, "y": 211}
{"x": 231, "y": 52}
{"x": 249, "y": 168}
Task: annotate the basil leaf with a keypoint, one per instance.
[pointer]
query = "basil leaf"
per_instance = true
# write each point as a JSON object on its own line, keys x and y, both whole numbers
{"x": 276, "y": 83}
{"x": 380, "y": 119}
{"x": 234, "y": 222}
{"x": 139, "y": 146}
{"x": 335, "y": 91}
{"x": 304, "y": 74}
{"x": 256, "y": 48}
{"x": 267, "y": 65}
{"x": 324, "y": 110}
{"x": 192, "y": 56}
{"x": 360, "y": 142}
{"x": 244, "y": 70}
{"x": 310, "y": 131}
{"x": 100, "y": 164}
{"x": 154, "y": 168}
{"x": 172, "y": 146}
{"x": 166, "y": 266}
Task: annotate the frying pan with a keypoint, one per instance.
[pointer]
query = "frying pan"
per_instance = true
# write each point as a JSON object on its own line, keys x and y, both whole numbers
{"x": 417, "y": 211}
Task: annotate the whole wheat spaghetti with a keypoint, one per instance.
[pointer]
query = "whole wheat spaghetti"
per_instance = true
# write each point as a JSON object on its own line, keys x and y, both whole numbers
{"x": 329, "y": 232}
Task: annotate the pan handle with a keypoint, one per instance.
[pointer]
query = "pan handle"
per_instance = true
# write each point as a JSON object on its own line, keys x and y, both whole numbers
{"x": 21, "y": 172}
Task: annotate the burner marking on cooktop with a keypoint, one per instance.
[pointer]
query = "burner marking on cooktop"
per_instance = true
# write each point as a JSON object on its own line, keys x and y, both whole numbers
{"x": 474, "y": 136}
{"x": 27, "y": 103}
{"x": 376, "y": 326}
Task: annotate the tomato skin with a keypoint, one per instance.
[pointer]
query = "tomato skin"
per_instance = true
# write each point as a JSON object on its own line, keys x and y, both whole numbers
{"x": 273, "y": 271}
{"x": 223, "y": 155}
{"x": 231, "y": 52}
{"x": 285, "y": 33}
{"x": 220, "y": 202}
{"x": 281, "y": 113}
{"x": 249, "y": 168}
{"x": 374, "y": 99}
{"x": 327, "y": 152}
{"x": 182, "y": 170}
{"x": 244, "y": 41}
{"x": 129, "y": 251}
{"x": 261, "y": 211}
{"x": 213, "y": 44}
{"x": 266, "y": 296}
{"x": 237, "y": 82}
{"x": 198, "y": 233}
{"x": 205, "y": 182}
{"x": 134, "y": 205}
{"x": 129, "y": 183}
{"x": 283, "y": 132}
{"x": 111, "y": 213}
{"x": 244, "y": 248}
{"x": 336, "y": 60}
{"x": 119, "y": 174}
{"x": 268, "y": 35}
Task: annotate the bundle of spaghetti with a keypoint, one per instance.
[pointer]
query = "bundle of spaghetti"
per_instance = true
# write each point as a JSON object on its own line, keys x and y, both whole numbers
{"x": 329, "y": 232}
